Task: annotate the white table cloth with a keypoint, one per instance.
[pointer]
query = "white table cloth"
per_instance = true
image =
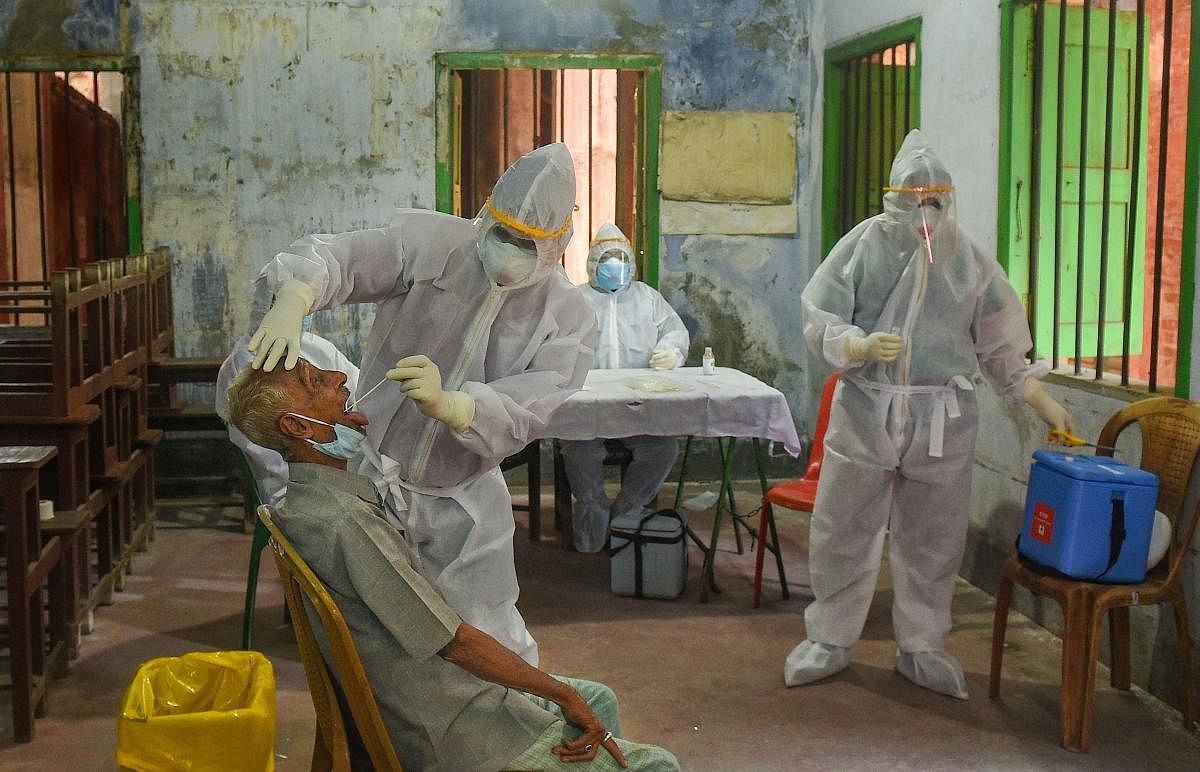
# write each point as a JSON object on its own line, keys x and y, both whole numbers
{"x": 626, "y": 403}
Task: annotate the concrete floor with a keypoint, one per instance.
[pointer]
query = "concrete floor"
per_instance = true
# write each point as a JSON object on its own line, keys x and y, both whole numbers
{"x": 702, "y": 680}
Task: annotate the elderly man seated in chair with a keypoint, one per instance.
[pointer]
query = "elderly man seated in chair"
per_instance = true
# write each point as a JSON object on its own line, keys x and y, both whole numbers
{"x": 451, "y": 697}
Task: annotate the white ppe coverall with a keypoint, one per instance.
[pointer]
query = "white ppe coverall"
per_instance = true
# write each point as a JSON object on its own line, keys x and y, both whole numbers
{"x": 517, "y": 350}
{"x": 635, "y": 322}
{"x": 901, "y": 435}
{"x": 268, "y": 467}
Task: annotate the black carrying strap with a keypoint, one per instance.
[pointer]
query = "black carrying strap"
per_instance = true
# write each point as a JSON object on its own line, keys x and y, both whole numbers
{"x": 1116, "y": 540}
{"x": 637, "y": 539}
{"x": 1116, "y": 535}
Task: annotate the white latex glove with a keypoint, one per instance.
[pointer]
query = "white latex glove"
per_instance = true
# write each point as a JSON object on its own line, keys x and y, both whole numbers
{"x": 1054, "y": 414}
{"x": 421, "y": 379}
{"x": 279, "y": 332}
{"x": 664, "y": 359}
{"x": 876, "y": 347}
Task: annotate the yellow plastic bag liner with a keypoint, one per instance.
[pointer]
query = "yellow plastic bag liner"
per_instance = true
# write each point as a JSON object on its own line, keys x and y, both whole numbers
{"x": 201, "y": 711}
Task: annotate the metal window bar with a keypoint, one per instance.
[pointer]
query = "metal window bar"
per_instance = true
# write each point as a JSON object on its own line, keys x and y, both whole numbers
{"x": 1106, "y": 196}
{"x": 504, "y": 93}
{"x": 1081, "y": 233}
{"x": 1058, "y": 187}
{"x": 866, "y": 143}
{"x": 1035, "y": 172}
{"x": 873, "y": 122}
{"x": 591, "y": 145}
{"x": 850, "y": 150}
{"x": 1153, "y": 185}
{"x": 41, "y": 172}
{"x": 1131, "y": 221}
{"x": 1163, "y": 147}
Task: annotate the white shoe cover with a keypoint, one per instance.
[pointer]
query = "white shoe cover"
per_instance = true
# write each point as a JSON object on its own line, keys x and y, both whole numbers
{"x": 812, "y": 661}
{"x": 591, "y": 526}
{"x": 934, "y": 670}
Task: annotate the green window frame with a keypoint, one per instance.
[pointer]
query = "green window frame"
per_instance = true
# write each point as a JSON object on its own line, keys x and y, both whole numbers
{"x": 1015, "y": 162}
{"x": 447, "y": 161}
{"x": 834, "y": 133}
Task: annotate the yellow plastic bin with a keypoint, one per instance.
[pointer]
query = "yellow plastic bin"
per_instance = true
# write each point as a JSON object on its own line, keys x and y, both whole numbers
{"x": 200, "y": 711}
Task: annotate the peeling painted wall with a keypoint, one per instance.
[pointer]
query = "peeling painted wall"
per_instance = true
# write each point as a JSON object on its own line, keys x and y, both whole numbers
{"x": 56, "y": 26}
{"x": 264, "y": 121}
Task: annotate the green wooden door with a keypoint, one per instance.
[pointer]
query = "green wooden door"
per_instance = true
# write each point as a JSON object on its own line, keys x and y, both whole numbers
{"x": 1087, "y": 177}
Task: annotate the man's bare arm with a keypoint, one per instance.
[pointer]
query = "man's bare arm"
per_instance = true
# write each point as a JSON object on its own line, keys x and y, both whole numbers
{"x": 483, "y": 657}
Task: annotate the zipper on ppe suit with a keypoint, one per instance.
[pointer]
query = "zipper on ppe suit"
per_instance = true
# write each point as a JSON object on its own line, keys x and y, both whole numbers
{"x": 487, "y": 315}
{"x": 910, "y": 321}
{"x": 612, "y": 330}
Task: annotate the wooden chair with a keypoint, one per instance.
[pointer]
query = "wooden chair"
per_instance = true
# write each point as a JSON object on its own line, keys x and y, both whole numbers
{"x": 799, "y": 495}
{"x": 251, "y": 500}
{"x": 616, "y": 454}
{"x": 1170, "y": 430}
{"x": 331, "y": 748}
{"x": 531, "y": 458}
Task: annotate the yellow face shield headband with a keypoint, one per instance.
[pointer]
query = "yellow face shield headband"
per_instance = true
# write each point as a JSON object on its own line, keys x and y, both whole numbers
{"x": 921, "y": 189}
{"x": 521, "y": 227}
{"x": 607, "y": 239}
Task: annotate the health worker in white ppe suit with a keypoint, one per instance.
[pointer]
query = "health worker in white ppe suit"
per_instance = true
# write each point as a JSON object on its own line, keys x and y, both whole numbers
{"x": 638, "y": 328}
{"x": 484, "y": 335}
{"x": 268, "y": 467}
{"x": 907, "y": 308}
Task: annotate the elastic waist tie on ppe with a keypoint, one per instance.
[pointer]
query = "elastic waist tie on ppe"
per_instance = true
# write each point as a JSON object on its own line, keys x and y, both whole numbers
{"x": 946, "y": 405}
{"x": 521, "y": 227}
{"x": 920, "y": 189}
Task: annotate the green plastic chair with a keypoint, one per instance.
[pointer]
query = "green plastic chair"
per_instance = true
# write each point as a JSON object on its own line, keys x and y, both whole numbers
{"x": 261, "y": 537}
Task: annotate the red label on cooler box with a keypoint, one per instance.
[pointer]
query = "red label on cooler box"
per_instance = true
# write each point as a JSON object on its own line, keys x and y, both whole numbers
{"x": 1042, "y": 527}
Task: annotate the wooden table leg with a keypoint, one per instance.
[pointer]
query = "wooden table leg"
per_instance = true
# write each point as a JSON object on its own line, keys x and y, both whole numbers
{"x": 29, "y": 563}
{"x": 17, "y": 486}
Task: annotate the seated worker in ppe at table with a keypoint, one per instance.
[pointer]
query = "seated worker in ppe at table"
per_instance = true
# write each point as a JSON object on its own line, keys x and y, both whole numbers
{"x": 907, "y": 308}
{"x": 638, "y": 328}
{"x": 451, "y": 697}
{"x": 266, "y": 465}
{"x": 478, "y": 324}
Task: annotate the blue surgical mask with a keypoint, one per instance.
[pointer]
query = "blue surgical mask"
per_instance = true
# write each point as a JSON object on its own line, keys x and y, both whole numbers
{"x": 345, "y": 445}
{"x": 613, "y": 275}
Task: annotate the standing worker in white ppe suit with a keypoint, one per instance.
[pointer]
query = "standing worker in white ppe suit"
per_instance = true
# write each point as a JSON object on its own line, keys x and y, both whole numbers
{"x": 638, "y": 328}
{"x": 907, "y": 308}
{"x": 485, "y": 336}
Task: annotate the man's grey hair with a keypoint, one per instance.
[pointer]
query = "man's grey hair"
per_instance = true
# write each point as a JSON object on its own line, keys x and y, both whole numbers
{"x": 255, "y": 406}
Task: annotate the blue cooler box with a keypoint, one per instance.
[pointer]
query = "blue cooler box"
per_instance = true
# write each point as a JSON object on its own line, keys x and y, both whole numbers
{"x": 1076, "y": 510}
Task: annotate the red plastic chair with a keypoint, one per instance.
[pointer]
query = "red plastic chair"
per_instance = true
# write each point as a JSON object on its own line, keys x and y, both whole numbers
{"x": 793, "y": 494}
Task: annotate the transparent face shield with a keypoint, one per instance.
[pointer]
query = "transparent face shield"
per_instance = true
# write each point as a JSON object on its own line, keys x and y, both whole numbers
{"x": 928, "y": 208}
{"x": 614, "y": 270}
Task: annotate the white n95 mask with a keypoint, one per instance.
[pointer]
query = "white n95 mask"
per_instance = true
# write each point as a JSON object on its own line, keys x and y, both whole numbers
{"x": 506, "y": 263}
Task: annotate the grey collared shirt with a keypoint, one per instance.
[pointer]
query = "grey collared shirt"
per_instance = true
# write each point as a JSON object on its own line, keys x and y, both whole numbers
{"x": 439, "y": 716}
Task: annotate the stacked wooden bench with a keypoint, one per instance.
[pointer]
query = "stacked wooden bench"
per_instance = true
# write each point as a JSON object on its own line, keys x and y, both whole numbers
{"x": 74, "y": 357}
